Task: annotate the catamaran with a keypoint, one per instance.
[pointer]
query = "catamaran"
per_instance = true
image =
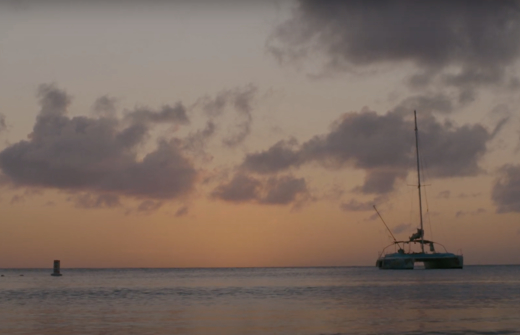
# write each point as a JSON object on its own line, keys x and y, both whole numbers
{"x": 404, "y": 254}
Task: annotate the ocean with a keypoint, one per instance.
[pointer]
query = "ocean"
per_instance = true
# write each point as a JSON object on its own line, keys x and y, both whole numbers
{"x": 250, "y": 301}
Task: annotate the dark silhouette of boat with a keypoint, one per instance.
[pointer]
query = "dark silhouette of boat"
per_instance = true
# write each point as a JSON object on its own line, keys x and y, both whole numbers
{"x": 403, "y": 256}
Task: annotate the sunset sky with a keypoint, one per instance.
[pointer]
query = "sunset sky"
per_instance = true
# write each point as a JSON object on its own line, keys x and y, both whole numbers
{"x": 256, "y": 133}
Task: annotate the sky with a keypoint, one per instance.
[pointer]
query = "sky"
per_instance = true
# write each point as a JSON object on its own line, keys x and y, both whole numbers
{"x": 256, "y": 133}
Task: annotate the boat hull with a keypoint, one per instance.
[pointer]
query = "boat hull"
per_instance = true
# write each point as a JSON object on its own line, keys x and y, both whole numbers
{"x": 455, "y": 262}
{"x": 430, "y": 261}
{"x": 395, "y": 263}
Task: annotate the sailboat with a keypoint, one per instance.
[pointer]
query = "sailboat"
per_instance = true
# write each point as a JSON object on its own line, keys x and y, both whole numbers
{"x": 403, "y": 255}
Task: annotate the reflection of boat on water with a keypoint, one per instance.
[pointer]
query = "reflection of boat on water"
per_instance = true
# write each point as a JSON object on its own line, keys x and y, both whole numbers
{"x": 406, "y": 253}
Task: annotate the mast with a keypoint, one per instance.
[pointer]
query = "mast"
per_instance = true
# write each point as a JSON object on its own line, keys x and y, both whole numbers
{"x": 419, "y": 179}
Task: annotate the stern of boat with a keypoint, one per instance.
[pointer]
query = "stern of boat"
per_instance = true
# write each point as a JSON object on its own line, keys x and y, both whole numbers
{"x": 401, "y": 263}
{"x": 452, "y": 262}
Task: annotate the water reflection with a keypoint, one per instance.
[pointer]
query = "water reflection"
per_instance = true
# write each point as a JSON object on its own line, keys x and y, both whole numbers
{"x": 261, "y": 301}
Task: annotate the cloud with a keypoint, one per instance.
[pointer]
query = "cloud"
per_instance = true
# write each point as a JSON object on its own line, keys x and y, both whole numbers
{"x": 401, "y": 228}
{"x": 454, "y": 151}
{"x": 149, "y": 206}
{"x": 283, "y": 190}
{"x": 506, "y": 189}
{"x": 381, "y": 145}
{"x": 240, "y": 188}
{"x": 242, "y": 100}
{"x": 334, "y": 193}
{"x": 270, "y": 191}
{"x": 16, "y": 199}
{"x": 460, "y": 214}
{"x": 28, "y": 193}
{"x": 182, "y": 211}
{"x": 53, "y": 101}
{"x": 475, "y": 212}
{"x": 280, "y": 156}
{"x": 99, "y": 155}
{"x": 3, "y": 125}
{"x": 105, "y": 106}
{"x": 89, "y": 201}
{"x": 465, "y": 195}
{"x": 355, "y": 206}
{"x": 196, "y": 141}
{"x": 464, "y": 43}
{"x": 479, "y": 211}
{"x": 426, "y": 104}
{"x": 380, "y": 181}
{"x": 175, "y": 115}
{"x": 242, "y": 103}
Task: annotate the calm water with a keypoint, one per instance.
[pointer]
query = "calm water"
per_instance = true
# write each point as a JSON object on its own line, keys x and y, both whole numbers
{"x": 476, "y": 300}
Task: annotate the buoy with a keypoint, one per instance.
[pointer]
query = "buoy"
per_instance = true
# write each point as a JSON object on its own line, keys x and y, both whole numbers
{"x": 56, "y": 269}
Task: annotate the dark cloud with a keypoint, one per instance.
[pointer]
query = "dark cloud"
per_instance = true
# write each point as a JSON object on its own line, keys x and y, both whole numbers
{"x": 465, "y": 42}
{"x": 271, "y": 191}
{"x": 366, "y": 140}
{"x": 240, "y": 188}
{"x": 380, "y": 180}
{"x": 383, "y": 146}
{"x": 89, "y": 201}
{"x": 506, "y": 189}
{"x": 105, "y": 106}
{"x": 53, "y": 101}
{"x": 98, "y": 155}
{"x": 175, "y": 115}
{"x": 149, "y": 206}
{"x": 283, "y": 190}
{"x": 279, "y": 157}
{"x": 452, "y": 151}
{"x": 3, "y": 125}
{"x": 182, "y": 211}
{"x": 28, "y": 193}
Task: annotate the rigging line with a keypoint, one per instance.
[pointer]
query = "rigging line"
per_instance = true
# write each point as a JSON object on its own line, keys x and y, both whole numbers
{"x": 385, "y": 223}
